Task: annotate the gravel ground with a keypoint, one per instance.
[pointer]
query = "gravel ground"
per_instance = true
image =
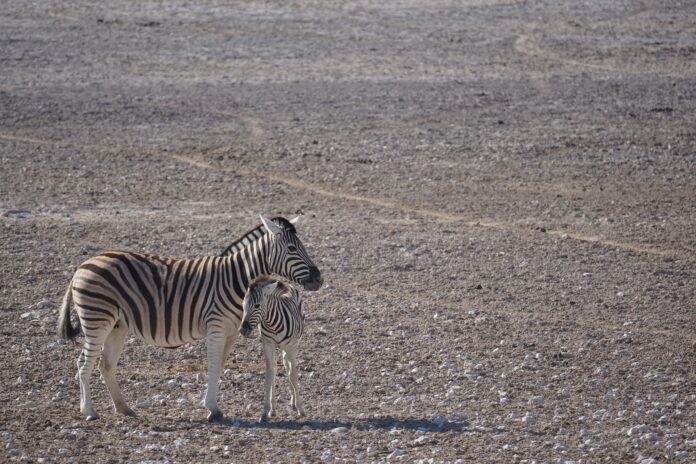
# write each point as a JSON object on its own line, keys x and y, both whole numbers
{"x": 501, "y": 196}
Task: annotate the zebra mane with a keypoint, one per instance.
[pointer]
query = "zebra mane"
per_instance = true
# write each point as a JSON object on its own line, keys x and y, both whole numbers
{"x": 254, "y": 234}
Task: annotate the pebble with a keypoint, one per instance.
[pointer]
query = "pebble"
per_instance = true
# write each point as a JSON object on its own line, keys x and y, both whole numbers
{"x": 420, "y": 440}
{"x": 339, "y": 430}
{"x": 536, "y": 400}
{"x": 371, "y": 450}
{"x": 636, "y": 429}
{"x": 529, "y": 419}
{"x": 439, "y": 421}
{"x": 394, "y": 454}
{"x": 681, "y": 454}
{"x": 327, "y": 456}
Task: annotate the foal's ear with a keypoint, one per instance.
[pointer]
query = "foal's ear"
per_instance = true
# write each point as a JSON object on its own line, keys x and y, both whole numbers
{"x": 294, "y": 220}
{"x": 270, "y": 288}
{"x": 271, "y": 226}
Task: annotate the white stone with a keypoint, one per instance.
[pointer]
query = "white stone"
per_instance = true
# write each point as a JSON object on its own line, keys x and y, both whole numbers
{"x": 536, "y": 400}
{"x": 420, "y": 440}
{"x": 439, "y": 421}
{"x": 394, "y": 454}
{"x": 529, "y": 419}
{"x": 328, "y": 455}
{"x": 371, "y": 450}
{"x": 339, "y": 430}
{"x": 639, "y": 429}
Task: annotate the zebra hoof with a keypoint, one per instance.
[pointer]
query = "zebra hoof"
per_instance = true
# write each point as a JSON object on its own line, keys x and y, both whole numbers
{"x": 263, "y": 419}
{"x": 92, "y": 417}
{"x": 216, "y": 417}
{"x": 127, "y": 412}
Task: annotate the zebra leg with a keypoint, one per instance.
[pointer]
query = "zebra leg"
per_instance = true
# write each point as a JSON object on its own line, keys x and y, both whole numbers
{"x": 269, "y": 355}
{"x": 113, "y": 346}
{"x": 291, "y": 356}
{"x": 94, "y": 340}
{"x": 215, "y": 344}
{"x": 228, "y": 347}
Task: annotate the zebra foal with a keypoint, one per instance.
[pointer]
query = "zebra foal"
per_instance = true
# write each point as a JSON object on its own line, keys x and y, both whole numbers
{"x": 170, "y": 302}
{"x": 276, "y": 308}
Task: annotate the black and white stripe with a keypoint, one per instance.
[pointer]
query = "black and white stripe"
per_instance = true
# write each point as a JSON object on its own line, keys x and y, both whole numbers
{"x": 276, "y": 309}
{"x": 171, "y": 302}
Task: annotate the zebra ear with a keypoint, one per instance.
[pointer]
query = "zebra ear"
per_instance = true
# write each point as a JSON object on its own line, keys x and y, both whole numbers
{"x": 270, "y": 288}
{"x": 294, "y": 220}
{"x": 271, "y": 226}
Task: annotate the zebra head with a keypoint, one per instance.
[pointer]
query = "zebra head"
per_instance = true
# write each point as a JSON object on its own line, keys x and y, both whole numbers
{"x": 254, "y": 303}
{"x": 287, "y": 256}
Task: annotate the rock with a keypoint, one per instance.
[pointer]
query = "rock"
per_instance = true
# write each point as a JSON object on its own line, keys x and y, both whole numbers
{"x": 639, "y": 429}
{"x": 327, "y": 455}
{"x": 371, "y": 450}
{"x": 339, "y": 430}
{"x": 394, "y": 454}
{"x": 420, "y": 440}
{"x": 439, "y": 421}
{"x": 529, "y": 419}
{"x": 536, "y": 400}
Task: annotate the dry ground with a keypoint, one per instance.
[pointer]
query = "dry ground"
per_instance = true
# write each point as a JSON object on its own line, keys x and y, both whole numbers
{"x": 501, "y": 196}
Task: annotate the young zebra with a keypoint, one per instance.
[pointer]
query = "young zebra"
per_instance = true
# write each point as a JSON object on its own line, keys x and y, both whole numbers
{"x": 171, "y": 302}
{"x": 276, "y": 308}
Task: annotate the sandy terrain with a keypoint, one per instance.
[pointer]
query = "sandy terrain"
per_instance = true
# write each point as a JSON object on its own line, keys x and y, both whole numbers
{"x": 501, "y": 196}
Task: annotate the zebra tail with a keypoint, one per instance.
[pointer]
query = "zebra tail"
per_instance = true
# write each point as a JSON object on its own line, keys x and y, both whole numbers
{"x": 65, "y": 329}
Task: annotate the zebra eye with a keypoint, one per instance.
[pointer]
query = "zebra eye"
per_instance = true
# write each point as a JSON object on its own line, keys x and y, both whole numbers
{"x": 292, "y": 248}
{"x": 257, "y": 305}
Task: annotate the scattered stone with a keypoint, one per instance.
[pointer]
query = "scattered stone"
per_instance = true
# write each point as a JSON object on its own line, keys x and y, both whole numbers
{"x": 536, "y": 400}
{"x": 394, "y": 454}
{"x": 639, "y": 429}
{"x": 339, "y": 430}
{"x": 328, "y": 455}
{"x": 439, "y": 421}
{"x": 420, "y": 440}
{"x": 529, "y": 419}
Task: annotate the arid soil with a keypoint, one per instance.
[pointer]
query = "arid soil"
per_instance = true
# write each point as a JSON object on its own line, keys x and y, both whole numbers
{"x": 501, "y": 196}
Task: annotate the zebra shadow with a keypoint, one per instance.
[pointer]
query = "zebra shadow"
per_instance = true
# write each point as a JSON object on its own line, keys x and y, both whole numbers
{"x": 359, "y": 424}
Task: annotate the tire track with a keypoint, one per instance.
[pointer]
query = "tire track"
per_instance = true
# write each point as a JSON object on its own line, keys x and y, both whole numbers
{"x": 523, "y": 45}
{"x": 333, "y": 193}
{"x": 433, "y": 214}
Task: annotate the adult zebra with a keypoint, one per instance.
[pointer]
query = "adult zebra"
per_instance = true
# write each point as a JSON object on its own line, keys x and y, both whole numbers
{"x": 171, "y": 302}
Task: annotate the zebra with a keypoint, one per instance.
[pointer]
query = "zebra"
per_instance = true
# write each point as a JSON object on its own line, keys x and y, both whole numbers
{"x": 276, "y": 308}
{"x": 170, "y": 302}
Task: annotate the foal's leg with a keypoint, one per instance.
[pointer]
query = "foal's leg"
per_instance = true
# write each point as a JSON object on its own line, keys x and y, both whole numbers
{"x": 291, "y": 356}
{"x": 113, "y": 346}
{"x": 269, "y": 355}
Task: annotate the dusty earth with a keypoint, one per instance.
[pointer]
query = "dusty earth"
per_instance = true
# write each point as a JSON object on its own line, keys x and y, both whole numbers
{"x": 501, "y": 196}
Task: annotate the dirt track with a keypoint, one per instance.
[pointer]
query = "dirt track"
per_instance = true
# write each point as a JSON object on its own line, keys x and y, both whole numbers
{"x": 501, "y": 196}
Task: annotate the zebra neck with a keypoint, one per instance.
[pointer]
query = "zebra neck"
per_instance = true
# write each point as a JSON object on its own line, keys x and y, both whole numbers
{"x": 251, "y": 261}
